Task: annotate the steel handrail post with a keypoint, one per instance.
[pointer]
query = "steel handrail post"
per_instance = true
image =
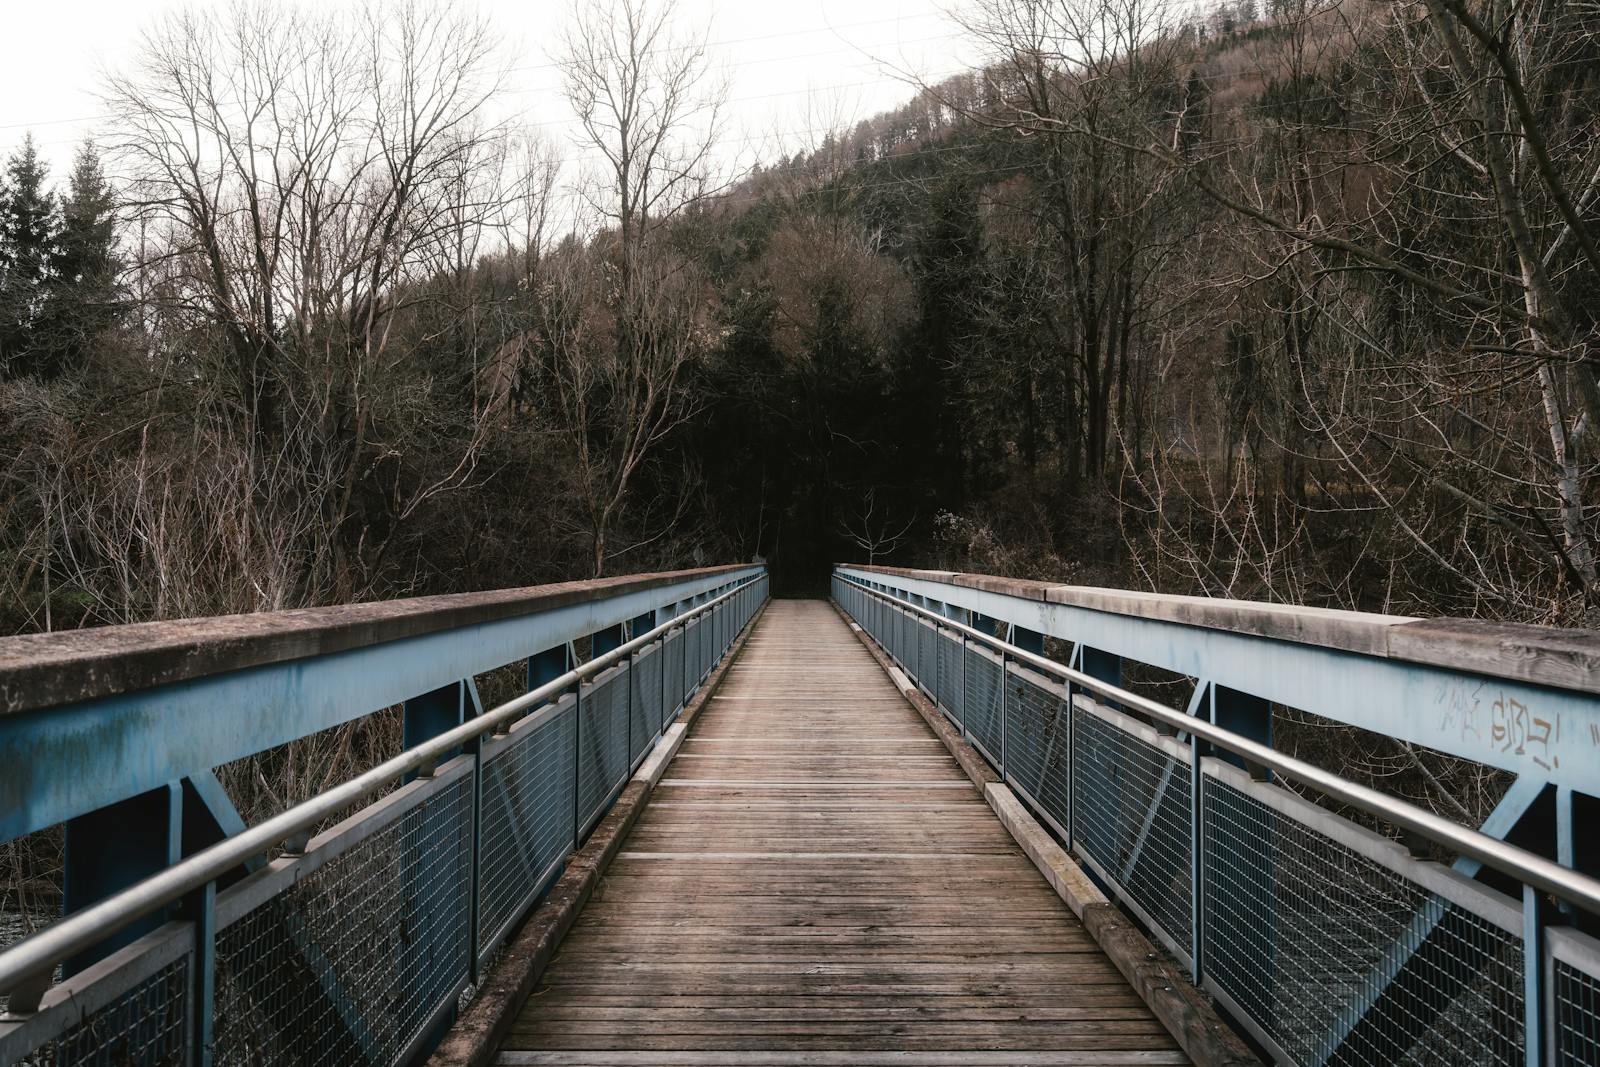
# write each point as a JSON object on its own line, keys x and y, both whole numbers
{"x": 202, "y": 908}
{"x": 577, "y": 763}
{"x": 475, "y": 860}
{"x": 1197, "y": 859}
{"x": 1004, "y": 684}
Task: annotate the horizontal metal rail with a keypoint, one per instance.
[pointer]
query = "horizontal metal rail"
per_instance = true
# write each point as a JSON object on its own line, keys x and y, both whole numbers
{"x": 1526, "y": 867}
{"x": 31, "y": 961}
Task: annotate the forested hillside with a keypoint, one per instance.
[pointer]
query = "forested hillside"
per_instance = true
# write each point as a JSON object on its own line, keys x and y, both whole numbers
{"x": 1292, "y": 304}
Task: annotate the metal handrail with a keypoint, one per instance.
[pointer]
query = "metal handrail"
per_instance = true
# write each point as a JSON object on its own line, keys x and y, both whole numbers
{"x": 1527, "y": 867}
{"x": 37, "y": 955}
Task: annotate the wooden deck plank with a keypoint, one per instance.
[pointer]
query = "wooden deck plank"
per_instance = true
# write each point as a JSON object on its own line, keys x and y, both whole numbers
{"x": 816, "y": 882}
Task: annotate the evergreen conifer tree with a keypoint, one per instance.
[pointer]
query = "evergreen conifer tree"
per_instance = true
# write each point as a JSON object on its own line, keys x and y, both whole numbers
{"x": 83, "y": 298}
{"x": 28, "y": 227}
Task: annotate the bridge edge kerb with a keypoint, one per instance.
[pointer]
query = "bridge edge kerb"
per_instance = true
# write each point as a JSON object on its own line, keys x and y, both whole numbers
{"x": 475, "y": 1037}
{"x": 1185, "y": 1011}
{"x": 1557, "y": 657}
{"x": 40, "y": 671}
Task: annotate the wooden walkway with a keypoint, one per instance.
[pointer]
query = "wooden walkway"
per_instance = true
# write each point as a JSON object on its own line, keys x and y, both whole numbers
{"x": 816, "y": 882}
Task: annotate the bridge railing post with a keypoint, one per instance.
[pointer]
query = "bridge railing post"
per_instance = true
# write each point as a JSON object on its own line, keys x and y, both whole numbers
{"x": 1197, "y": 830}
{"x": 1535, "y": 989}
{"x": 577, "y": 762}
{"x": 1004, "y": 685}
{"x": 962, "y": 714}
{"x": 1072, "y": 766}
{"x": 201, "y": 909}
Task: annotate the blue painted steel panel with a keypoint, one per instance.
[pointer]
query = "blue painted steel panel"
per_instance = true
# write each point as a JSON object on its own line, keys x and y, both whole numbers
{"x": 1552, "y": 734}
{"x": 63, "y": 762}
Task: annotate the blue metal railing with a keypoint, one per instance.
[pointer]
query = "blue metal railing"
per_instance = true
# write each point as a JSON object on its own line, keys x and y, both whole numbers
{"x": 1330, "y": 942}
{"x": 356, "y": 944}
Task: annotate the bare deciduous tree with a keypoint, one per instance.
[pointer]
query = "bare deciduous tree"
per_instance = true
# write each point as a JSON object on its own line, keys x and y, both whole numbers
{"x": 872, "y": 531}
{"x": 650, "y": 108}
{"x": 303, "y": 173}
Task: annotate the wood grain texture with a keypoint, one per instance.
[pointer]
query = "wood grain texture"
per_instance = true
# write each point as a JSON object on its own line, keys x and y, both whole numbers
{"x": 815, "y": 882}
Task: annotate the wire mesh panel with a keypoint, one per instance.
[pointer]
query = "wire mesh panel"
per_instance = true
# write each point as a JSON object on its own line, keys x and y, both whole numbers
{"x": 1038, "y": 742}
{"x": 360, "y": 942}
{"x": 1131, "y": 815}
{"x": 691, "y": 658}
{"x": 1574, "y": 983}
{"x": 132, "y": 1008}
{"x": 949, "y": 688}
{"x": 980, "y": 706}
{"x": 526, "y": 818}
{"x": 672, "y": 668}
{"x": 602, "y": 743}
{"x": 927, "y": 655}
{"x": 644, "y": 700}
{"x": 1341, "y": 948}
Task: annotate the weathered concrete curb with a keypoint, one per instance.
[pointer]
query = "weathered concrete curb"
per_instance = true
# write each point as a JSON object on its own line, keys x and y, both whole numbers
{"x": 1185, "y": 1011}
{"x": 1065, "y": 877}
{"x": 475, "y": 1038}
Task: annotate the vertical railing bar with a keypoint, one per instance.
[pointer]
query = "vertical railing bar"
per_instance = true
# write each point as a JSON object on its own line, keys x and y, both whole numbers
{"x": 577, "y": 760}
{"x": 1533, "y": 984}
{"x": 661, "y": 657}
{"x": 203, "y": 907}
{"x": 1197, "y": 911}
{"x": 475, "y": 864}
{"x": 1004, "y": 681}
{"x": 627, "y": 687}
{"x": 963, "y": 686}
{"x": 1072, "y": 766}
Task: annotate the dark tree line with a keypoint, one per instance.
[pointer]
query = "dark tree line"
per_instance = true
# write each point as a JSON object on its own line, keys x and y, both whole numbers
{"x": 1292, "y": 303}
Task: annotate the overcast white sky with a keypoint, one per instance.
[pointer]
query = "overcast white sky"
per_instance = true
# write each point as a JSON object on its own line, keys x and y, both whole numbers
{"x": 789, "y": 61}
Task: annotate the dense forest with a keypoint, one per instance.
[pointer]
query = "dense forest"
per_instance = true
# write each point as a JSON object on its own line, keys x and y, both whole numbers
{"x": 1294, "y": 303}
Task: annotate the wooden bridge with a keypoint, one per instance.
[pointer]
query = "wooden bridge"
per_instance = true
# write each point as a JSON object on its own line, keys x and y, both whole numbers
{"x": 937, "y": 819}
{"x": 816, "y": 879}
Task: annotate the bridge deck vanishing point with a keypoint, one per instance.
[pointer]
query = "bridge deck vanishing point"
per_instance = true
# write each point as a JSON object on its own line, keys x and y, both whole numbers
{"x": 816, "y": 882}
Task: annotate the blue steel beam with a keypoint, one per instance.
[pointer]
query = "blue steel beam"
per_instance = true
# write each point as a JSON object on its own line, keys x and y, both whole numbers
{"x": 66, "y": 761}
{"x": 208, "y": 817}
{"x": 110, "y": 849}
{"x": 605, "y": 639}
{"x": 1512, "y": 725}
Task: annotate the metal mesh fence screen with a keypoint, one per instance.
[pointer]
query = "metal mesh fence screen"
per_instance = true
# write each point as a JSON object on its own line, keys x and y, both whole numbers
{"x": 526, "y": 822}
{"x": 147, "y": 1025}
{"x": 927, "y": 652}
{"x": 602, "y": 743}
{"x": 644, "y": 700}
{"x": 1341, "y": 959}
{"x": 1576, "y": 997}
{"x": 981, "y": 708}
{"x": 672, "y": 667}
{"x": 1038, "y": 742}
{"x": 1131, "y": 816}
{"x": 349, "y": 963}
{"x": 691, "y": 658}
{"x": 949, "y": 687}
